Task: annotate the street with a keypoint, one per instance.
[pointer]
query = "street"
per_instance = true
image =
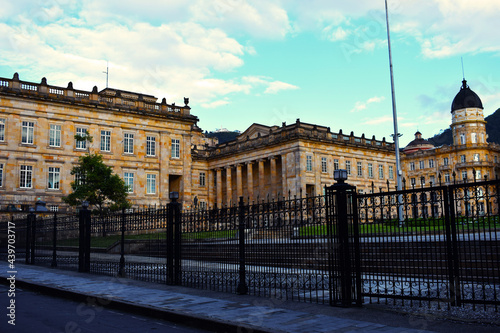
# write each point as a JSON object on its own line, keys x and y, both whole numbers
{"x": 37, "y": 312}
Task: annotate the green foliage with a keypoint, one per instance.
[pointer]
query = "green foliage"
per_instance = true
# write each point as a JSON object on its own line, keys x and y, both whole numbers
{"x": 96, "y": 183}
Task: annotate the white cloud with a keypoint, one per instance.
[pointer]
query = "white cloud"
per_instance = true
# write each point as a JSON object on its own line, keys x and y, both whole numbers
{"x": 378, "y": 121}
{"x": 276, "y": 86}
{"x": 359, "y": 106}
{"x": 215, "y": 104}
{"x": 258, "y": 18}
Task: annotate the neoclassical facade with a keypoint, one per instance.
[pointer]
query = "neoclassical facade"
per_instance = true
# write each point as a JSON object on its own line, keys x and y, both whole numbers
{"x": 276, "y": 162}
{"x": 470, "y": 157}
{"x": 157, "y": 148}
{"x": 146, "y": 142}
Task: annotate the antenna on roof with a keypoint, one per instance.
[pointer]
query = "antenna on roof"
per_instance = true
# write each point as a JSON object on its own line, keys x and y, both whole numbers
{"x": 107, "y": 73}
{"x": 463, "y": 72}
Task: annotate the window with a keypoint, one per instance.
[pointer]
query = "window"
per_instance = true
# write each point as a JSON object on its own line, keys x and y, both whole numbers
{"x": 1, "y": 175}
{"x": 151, "y": 184}
{"x": 202, "y": 179}
{"x": 309, "y": 165}
{"x": 151, "y": 146}
{"x": 412, "y": 166}
{"x": 128, "y": 143}
{"x": 348, "y": 167}
{"x": 476, "y": 157}
{"x": 203, "y": 205}
{"x": 360, "y": 169}
{"x": 128, "y": 177}
{"x": 421, "y": 164}
{"x": 28, "y": 132}
{"x": 324, "y": 167}
{"x": 478, "y": 174}
{"x": 432, "y": 179}
{"x": 464, "y": 175}
{"x": 54, "y": 208}
{"x": 55, "y": 135}
{"x": 431, "y": 163}
{"x": 2, "y": 129}
{"x": 176, "y": 148}
{"x": 391, "y": 172}
{"x": 79, "y": 178}
{"x": 474, "y": 138}
{"x": 446, "y": 177}
{"x": 105, "y": 140}
{"x": 381, "y": 171}
{"x": 462, "y": 139}
{"x": 54, "y": 177}
{"x": 445, "y": 161}
{"x": 25, "y": 176}
{"x": 412, "y": 181}
{"x": 462, "y": 158}
{"x": 80, "y": 131}
{"x": 336, "y": 164}
{"x": 370, "y": 170}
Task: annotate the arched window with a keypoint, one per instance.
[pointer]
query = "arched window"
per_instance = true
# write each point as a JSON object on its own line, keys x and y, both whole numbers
{"x": 462, "y": 139}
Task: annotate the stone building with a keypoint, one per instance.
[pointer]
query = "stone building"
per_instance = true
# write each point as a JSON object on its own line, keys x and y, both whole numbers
{"x": 470, "y": 157}
{"x": 146, "y": 142}
{"x": 275, "y": 162}
{"x": 157, "y": 148}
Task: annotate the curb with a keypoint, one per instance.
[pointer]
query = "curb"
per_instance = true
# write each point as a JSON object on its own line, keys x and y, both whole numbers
{"x": 204, "y": 323}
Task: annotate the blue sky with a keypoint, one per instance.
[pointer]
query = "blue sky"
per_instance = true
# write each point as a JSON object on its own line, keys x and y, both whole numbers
{"x": 269, "y": 61}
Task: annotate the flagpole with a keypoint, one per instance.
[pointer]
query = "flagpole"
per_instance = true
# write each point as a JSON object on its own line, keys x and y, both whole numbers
{"x": 396, "y": 135}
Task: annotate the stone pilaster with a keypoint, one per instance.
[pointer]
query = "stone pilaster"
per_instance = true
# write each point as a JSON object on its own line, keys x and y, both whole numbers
{"x": 250, "y": 181}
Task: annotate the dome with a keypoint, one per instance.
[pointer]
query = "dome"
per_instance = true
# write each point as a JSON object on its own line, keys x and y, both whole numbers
{"x": 466, "y": 98}
{"x": 418, "y": 144}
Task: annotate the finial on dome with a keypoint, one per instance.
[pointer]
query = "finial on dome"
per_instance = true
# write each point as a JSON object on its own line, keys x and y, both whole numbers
{"x": 464, "y": 84}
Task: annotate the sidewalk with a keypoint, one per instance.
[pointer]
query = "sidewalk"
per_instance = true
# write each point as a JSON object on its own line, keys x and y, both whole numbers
{"x": 223, "y": 312}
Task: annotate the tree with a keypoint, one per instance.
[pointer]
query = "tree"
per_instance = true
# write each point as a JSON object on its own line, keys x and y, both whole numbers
{"x": 96, "y": 183}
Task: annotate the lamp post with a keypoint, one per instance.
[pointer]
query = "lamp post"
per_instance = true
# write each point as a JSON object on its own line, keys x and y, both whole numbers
{"x": 396, "y": 135}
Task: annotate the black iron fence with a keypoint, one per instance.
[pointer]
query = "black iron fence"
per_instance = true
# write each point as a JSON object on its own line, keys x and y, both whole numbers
{"x": 428, "y": 245}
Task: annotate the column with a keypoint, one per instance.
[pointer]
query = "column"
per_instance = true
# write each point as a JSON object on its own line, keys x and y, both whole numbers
{"x": 219, "y": 187}
{"x": 274, "y": 185}
{"x": 262, "y": 179}
{"x": 250, "y": 181}
{"x": 210, "y": 188}
{"x": 239, "y": 182}
{"x": 229, "y": 189}
{"x": 284, "y": 177}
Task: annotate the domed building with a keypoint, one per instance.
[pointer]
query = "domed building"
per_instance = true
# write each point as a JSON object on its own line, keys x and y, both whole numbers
{"x": 470, "y": 157}
{"x": 418, "y": 144}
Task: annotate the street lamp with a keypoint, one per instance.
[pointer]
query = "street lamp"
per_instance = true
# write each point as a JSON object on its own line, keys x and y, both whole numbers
{"x": 173, "y": 196}
{"x": 340, "y": 175}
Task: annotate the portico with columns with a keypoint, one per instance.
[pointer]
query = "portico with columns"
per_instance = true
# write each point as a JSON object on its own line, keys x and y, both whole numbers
{"x": 271, "y": 163}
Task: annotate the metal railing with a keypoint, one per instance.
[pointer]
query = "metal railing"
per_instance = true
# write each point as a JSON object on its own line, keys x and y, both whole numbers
{"x": 418, "y": 246}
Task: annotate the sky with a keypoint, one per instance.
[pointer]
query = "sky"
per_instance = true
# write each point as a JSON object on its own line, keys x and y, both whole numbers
{"x": 267, "y": 61}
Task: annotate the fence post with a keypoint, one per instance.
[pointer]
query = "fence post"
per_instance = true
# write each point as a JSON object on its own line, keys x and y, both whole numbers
{"x": 121, "y": 270}
{"x": 348, "y": 268}
{"x": 84, "y": 239}
{"x": 170, "y": 244}
{"x": 343, "y": 239}
{"x": 452, "y": 246}
{"x": 174, "y": 240}
{"x": 30, "y": 239}
{"x": 177, "y": 243}
{"x": 242, "y": 288}
{"x": 54, "y": 242}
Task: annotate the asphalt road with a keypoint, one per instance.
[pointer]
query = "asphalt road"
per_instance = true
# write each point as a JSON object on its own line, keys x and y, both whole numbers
{"x": 35, "y": 312}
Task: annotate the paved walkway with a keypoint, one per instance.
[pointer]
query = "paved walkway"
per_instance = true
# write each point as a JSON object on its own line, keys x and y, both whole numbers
{"x": 222, "y": 312}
